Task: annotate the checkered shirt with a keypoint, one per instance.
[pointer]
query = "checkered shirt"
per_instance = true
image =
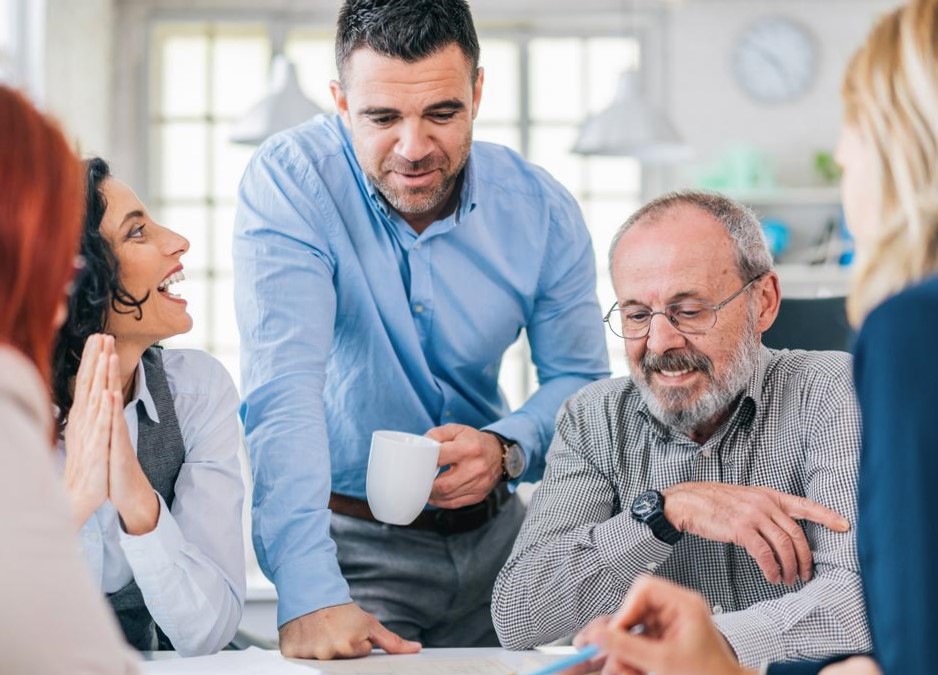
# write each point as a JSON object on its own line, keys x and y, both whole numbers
{"x": 795, "y": 429}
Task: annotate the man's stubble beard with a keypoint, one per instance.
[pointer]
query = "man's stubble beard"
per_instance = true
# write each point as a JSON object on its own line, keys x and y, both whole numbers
{"x": 420, "y": 201}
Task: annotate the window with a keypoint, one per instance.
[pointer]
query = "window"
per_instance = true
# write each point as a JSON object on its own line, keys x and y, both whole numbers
{"x": 6, "y": 40}
{"x": 537, "y": 92}
{"x": 205, "y": 74}
{"x": 15, "y": 39}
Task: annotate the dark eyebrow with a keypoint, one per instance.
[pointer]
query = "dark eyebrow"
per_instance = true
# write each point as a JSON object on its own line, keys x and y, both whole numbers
{"x": 131, "y": 216}
{"x": 451, "y": 104}
{"x": 368, "y": 112}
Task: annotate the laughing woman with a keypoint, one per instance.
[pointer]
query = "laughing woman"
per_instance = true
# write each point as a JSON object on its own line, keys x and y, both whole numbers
{"x": 157, "y": 492}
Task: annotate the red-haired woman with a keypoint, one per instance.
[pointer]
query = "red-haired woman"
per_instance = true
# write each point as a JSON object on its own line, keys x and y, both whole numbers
{"x": 51, "y": 618}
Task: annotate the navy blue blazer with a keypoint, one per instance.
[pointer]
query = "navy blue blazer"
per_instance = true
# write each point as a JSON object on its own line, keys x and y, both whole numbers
{"x": 896, "y": 373}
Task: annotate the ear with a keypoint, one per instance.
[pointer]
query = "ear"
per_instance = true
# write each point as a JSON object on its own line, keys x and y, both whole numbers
{"x": 341, "y": 101}
{"x": 769, "y": 296}
{"x": 477, "y": 92}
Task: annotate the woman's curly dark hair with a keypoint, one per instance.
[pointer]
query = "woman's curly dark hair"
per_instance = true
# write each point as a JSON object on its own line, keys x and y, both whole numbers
{"x": 95, "y": 290}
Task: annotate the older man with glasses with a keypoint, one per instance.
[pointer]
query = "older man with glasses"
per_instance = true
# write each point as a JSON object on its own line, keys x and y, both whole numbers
{"x": 719, "y": 464}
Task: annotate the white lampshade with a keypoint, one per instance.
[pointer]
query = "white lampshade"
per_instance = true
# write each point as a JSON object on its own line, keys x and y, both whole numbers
{"x": 284, "y": 106}
{"x": 632, "y": 127}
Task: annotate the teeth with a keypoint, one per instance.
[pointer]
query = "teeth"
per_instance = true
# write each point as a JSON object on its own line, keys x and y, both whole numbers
{"x": 171, "y": 279}
{"x": 675, "y": 373}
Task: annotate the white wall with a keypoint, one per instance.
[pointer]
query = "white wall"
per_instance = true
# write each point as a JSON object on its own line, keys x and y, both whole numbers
{"x": 710, "y": 109}
{"x": 78, "y": 72}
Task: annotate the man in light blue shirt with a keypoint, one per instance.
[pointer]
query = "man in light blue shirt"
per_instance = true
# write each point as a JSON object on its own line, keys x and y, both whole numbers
{"x": 384, "y": 264}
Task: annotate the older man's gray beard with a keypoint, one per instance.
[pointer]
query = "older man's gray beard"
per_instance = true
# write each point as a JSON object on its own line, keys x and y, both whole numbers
{"x": 673, "y": 409}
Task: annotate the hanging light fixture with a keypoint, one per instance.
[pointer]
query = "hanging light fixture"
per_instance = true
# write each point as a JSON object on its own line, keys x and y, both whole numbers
{"x": 285, "y": 105}
{"x": 632, "y": 126}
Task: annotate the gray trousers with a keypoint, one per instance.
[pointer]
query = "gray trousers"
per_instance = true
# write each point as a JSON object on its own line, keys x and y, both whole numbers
{"x": 425, "y": 586}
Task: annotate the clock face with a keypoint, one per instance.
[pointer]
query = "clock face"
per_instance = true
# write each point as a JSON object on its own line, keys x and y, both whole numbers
{"x": 775, "y": 60}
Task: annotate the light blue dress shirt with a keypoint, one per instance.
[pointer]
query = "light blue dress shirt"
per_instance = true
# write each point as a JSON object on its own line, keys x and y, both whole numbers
{"x": 351, "y": 322}
{"x": 190, "y": 568}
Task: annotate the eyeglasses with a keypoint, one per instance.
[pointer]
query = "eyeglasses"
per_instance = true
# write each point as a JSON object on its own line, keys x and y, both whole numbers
{"x": 691, "y": 317}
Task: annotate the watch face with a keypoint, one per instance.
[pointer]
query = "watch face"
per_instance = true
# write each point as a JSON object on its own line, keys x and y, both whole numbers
{"x": 645, "y": 503}
{"x": 514, "y": 461}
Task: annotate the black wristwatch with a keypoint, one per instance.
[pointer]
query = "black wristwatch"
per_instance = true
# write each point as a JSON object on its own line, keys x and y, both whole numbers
{"x": 648, "y": 508}
{"x": 514, "y": 461}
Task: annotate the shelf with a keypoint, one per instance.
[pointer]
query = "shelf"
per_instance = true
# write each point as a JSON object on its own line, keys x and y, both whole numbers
{"x": 813, "y": 281}
{"x": 788, "y": 196}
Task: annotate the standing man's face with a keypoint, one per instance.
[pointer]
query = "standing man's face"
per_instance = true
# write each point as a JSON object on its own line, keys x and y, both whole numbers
{"x": 411, "y": 125}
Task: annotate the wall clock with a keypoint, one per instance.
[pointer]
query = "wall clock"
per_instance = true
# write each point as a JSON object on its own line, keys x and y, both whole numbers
{"x": 775, "y": 60}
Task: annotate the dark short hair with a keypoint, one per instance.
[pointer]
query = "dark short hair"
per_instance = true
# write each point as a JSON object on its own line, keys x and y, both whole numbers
{"x": 409, "y": 30}
{"x": 96, "y": 290}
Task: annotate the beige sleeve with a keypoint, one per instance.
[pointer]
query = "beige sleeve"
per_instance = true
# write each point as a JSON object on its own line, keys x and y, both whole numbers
{"x": 52, "y": 619}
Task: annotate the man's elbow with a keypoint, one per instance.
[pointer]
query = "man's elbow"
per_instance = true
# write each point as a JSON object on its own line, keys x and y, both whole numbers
{"x": 511, "y": 616}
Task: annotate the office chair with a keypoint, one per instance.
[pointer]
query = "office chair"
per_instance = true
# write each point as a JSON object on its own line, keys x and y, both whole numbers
{"x": 811, "y": 323}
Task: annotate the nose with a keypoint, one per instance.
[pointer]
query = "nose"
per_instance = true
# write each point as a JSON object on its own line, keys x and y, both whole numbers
{"x": 414, "y": 142}
{"x": 662, "y": 335}
{"x": 174, "y": 244}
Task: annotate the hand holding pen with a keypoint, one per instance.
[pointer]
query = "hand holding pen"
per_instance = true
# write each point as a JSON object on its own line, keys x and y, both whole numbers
{"x": 677, "y": 636}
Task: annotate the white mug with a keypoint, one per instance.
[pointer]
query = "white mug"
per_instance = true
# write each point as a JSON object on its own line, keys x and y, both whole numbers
{"x": 401, "y": 469}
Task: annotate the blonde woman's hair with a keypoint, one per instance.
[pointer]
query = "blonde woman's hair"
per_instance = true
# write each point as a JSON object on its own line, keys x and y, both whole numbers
{"x": 890, "y": 93}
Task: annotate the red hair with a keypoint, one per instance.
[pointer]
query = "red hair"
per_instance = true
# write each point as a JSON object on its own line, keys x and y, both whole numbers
{"x": 40, "y": 223}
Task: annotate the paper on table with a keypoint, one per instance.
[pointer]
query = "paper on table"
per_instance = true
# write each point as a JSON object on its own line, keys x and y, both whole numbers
{"x": 252, "y": 661}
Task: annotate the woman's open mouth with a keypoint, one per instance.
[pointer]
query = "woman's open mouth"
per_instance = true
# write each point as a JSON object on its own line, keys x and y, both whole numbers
{"x": 173, "y": 278}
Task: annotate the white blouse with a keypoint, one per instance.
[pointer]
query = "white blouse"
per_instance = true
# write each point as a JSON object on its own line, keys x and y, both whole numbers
{"x": 190, "y": 568}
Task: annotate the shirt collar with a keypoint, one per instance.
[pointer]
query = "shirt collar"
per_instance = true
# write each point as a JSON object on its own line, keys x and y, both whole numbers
{"x": 747, "y": 406}
{"x": 142, "y": 394}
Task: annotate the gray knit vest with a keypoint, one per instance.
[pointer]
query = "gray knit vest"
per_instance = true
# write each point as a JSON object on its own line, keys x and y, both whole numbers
{"x": 161, "y": 452}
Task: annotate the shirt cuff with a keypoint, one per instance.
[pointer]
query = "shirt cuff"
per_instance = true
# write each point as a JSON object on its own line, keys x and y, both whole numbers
{"x": 150, "y": 554}
{"x": 523, "y": 430}
{"x": 628, "y": 547}
{"x": 309, "y": 584}
{"x": 753, "y": 636}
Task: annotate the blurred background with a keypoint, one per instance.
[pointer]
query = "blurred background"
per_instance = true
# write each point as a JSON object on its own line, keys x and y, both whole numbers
{"x": 736, "y": 95}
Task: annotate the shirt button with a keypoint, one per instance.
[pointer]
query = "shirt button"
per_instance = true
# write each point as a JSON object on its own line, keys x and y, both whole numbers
{"x": 651, "y": 567}
{"x": 417, "y": 246}
{"x": 447, "y": 413}
{"x": 418, "y": 309}
{"x": 718, "y": 609}
{"x": 706, "y": 453}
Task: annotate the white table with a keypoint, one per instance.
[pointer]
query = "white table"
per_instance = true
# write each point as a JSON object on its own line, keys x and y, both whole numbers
{"x": 442, "y": 661}
{"x": 483, "y": 661}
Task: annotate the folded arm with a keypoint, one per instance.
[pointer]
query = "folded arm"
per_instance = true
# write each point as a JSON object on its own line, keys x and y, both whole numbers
{"x": 827, "y": 615}
{"x": 574, "y": 559}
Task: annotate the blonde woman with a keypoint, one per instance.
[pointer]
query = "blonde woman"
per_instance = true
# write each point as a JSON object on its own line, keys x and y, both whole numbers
{"x": 889, "y": 154}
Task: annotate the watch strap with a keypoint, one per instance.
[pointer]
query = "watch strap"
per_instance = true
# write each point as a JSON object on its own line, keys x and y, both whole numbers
{"x": 657, "y": 522}
{"x": 662, "y": 528}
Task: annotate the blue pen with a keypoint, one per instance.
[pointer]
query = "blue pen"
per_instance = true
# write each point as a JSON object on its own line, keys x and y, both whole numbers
{"x": 584, "y": 654}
